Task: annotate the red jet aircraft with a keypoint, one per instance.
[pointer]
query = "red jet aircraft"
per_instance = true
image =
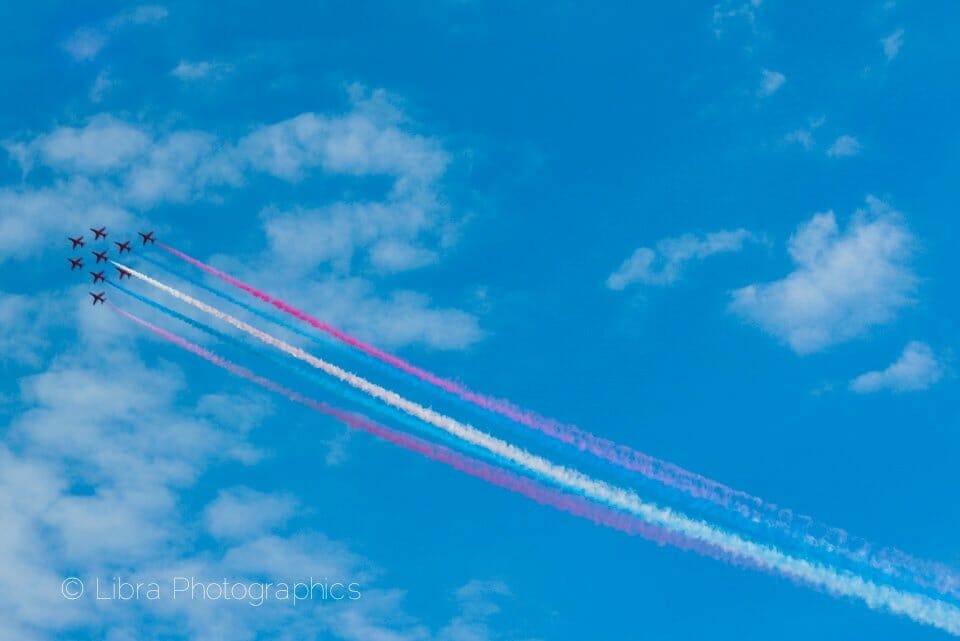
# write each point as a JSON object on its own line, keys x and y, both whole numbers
{"x": 77, "y": 242}
{"x": 75, "y": 263}
{"x": 124, "y": 246}
{"x": 97, "y": 277}
{"x": 98, "y": 298}
{"x": 101, "y": 256}
{"x": 147, "y": 237}
{"x": 99, "y": 233}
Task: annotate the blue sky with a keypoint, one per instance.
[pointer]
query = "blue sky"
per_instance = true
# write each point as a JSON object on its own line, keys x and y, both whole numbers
{"x": 720, "y": 233}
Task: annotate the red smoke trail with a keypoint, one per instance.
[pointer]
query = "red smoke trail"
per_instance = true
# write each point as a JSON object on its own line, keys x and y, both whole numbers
{"x": 542, "y": 494}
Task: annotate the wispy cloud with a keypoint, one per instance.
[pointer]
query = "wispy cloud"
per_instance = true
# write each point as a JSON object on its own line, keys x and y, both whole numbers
{"x": 916, "y": 369}
{"x": 664, "y": 265}
{"x": 23, "y": 322}
{"x": 803, "y": 136}
{"x": 104, "y": 144}
{"x": 86, "y": 42}
{"x": 478, "y": 602}
{"x": 103, "y": 83}
{"x": 844, "y": 146}
{"x": 200, "y": 70}
{"x": 770, "y": 82}
{"x": 843, "y": 283}
{"x": 242, "y": 513}
{"x": 139, "y": 15}
{"x": 727, "y": 12}
{"x": 892, "y": 44}
{"x": 130, "y": 518}
{"x": 109, "y": 169}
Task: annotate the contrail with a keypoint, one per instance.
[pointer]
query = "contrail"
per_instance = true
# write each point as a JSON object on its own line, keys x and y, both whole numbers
{"x": 752, "y": 509}
{"x": 918, "y": 607}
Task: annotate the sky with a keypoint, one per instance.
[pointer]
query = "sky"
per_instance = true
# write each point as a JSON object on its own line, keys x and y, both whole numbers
{"x": 719, "y": 233}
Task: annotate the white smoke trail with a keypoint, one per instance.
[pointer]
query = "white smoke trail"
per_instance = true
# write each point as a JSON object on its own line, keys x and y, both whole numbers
{"x": 918, "y": 607}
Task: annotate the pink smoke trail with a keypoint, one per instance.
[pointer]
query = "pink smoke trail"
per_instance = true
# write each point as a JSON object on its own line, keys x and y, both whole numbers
{"x": 837, "y": 541}
{"x": 578, "y": 506}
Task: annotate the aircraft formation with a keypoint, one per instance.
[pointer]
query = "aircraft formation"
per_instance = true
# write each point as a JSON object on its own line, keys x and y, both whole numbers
{"x": 100, "y": 234}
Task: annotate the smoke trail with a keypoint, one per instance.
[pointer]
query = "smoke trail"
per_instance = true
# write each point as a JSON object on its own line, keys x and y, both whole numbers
{"x": 326, "y": 341}
{"x": 320, "y": 339}
{"x": 497, "y": 476}
{"x": 918, "y": 607}
{"x": 233, "y": 301}
{"x": 751, "y": 508}
{"x": 324, "y": 382}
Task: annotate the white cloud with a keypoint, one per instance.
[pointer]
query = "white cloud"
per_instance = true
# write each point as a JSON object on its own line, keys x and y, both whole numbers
{"x": 770, "y": 82}
{"x": 172, "y": 170}
{"x": 917, "y": 369}
{"x": 477, "y": 604}
{"x": 29, "y": 217}
{"x": 24, "y": 321}
{"x": 101, "y": 85}
{"x": 804, "y": 135}
{"x": 95, "y": 488}
{"x": 404, "y": 230}
{"x": 108, "y": 170}
{"x": 844, "y": 146}
{"x": 179, "y": 165}
{"x": 892, "y": 44}
{"x": 98, "y": 477}
{"x": 843, "y": 283}
{"x": 665, "y": 264}
{"x": 103, "y": 144}
{"x": 402, "y": 317}
{"x": 140, "y": 15}
{"x": 86, "y": 42}
{"x": 726, "y": 12}
{"x": 190, "y": 71}
{"x": 366, "y": 141}
{"x": 386, "y": 232}
{"x": 242, "y": 513}
{"x": 98, "y": 420}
